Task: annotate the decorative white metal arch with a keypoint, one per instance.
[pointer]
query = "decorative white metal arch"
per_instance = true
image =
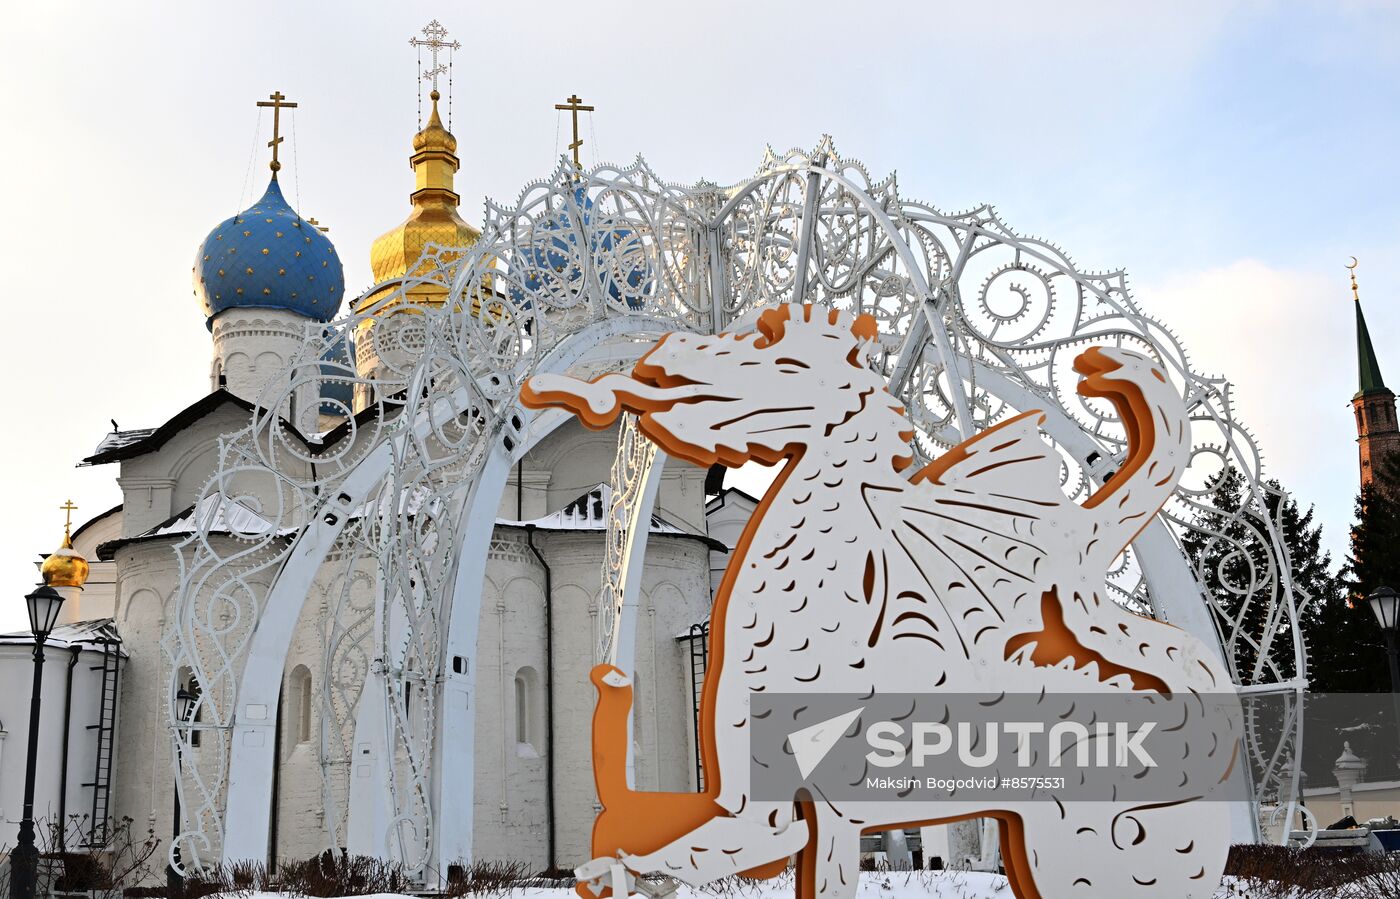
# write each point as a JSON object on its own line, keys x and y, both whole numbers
{"x": 396, "y": 508}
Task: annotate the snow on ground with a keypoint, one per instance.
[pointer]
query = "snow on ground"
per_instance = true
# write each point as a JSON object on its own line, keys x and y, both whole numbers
{"x": 891, "y": 885}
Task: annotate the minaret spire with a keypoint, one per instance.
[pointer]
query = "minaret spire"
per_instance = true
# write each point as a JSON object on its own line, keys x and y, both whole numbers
{"x": 1377, "y": 434}
{"x": 1367, "y": 366}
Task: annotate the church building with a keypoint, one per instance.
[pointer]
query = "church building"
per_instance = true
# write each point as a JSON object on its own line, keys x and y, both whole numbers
{"x": 262, "y": 278}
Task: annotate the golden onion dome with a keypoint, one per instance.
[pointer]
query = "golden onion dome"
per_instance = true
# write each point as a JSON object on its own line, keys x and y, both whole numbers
{"x": 433, "y": 219}
{"x": 435, "y": 136}
{"x": 65, "y": 567}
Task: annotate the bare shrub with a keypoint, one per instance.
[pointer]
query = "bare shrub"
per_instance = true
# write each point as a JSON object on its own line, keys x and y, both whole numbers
{"x": 493, "y": 878}
{"x": 341, "y": 874}
{"x": 1281, "y": 872}
{"x": 75, "y": 865}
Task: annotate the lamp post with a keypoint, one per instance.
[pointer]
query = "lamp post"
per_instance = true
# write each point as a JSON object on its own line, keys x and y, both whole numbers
{"x": 174, "y": 880}
{"x": 44, "y": 604}
{"x": 1385, "y": 603}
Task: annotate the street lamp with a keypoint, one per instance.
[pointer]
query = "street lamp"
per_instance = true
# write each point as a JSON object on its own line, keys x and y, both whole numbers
{"x": 44, "y": 605}
{"x": 174, "y": 880}
{"x": 1385, "y": 603}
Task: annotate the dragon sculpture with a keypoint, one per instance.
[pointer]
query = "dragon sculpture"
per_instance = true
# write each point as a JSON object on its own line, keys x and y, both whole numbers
{"x": 853, "y": 577}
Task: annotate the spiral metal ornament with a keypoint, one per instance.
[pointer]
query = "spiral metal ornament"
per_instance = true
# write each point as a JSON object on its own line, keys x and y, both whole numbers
{"x": 581, "y": 274}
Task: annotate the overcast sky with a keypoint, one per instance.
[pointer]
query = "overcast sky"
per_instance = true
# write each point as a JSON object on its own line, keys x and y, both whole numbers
{"x": 1230, "y": 156}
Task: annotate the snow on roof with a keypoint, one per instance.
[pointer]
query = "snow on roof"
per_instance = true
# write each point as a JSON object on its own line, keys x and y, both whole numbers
{"x": 694, "y": 631}
{"x": 589, "y": 512}
{"x": 80, "y": 633}
{"x": 220, "y": 516}
{"x": 721, "y": 499}
{"x": 217, "y": 514}
{"x": 115, "y": 440}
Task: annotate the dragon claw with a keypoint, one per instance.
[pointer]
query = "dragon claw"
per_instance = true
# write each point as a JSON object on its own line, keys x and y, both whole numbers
{"x": 604, "y": 873}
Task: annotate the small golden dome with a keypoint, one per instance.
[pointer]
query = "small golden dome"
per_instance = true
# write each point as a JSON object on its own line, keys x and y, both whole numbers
{"x": 65, "y": 568}
{"x": 435, "y": 136}
{"x": 433, "y": 219}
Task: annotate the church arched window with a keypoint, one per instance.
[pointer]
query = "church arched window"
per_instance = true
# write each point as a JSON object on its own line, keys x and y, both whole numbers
{"x": 187, "y": 681}
{"x": 299, "y": 713}
{"x": 527, "y": 708}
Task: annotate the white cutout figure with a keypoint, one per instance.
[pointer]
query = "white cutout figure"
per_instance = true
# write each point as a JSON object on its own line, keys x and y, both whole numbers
{"x": 975, "y": 575}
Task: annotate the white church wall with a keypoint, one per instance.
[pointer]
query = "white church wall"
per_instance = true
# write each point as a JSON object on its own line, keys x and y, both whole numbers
{"x": 147, "y": 578}
{"x": 148, "y": 499}
{"x": 511, "y": 820}
{"x": 510, "y": 808}
{"x": 574, "y": 635}
{"x": 143, "y": 787}
{"x": 662, "y": 701}
{"x": 577, "y": 460}
{"x": 98, "y": 596}
{"x": 160, "y": 483}
{"x": 573, "y": 460}
{"x": 681, "y": 497}
{"x": 526, "y": 496}
{"x": 253, "y": 346}
{"x": 726, "y": 516}
{"x": 665, "y": 755}
{"x": 50, "y": 785}
{"x": 302, "y": 829}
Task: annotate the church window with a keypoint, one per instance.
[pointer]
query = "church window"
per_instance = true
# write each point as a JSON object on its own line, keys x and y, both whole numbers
{"x": 527, "y": 710}
{"x": 189, "y": 682}
{"x": 299, "y": 717}
{"x": 522, "y": 711}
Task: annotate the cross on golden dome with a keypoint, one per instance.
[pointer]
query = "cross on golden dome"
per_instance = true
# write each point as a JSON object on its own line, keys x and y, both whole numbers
{"x": 434, "y": 42}
{"x": 575, "y": 106}
{"x": 65, "y": 567}
{"x": 277, "y": 106}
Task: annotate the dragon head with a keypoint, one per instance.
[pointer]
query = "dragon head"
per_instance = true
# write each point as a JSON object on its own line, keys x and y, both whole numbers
{"x": 730, "y": 398}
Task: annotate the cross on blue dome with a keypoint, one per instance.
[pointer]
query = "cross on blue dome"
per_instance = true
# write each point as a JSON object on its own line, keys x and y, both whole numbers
{"x": 268, "y": 257}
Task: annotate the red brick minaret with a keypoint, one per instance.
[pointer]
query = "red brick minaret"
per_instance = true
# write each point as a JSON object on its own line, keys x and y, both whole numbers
{"x": 1377, "y": 434}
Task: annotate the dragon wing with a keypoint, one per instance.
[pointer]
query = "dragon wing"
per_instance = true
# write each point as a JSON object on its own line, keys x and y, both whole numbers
{"x": 978, "y": 531}
{"x": 1009, "y": 462}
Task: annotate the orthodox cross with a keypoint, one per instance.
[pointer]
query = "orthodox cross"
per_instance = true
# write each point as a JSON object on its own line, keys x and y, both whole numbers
{"x": 67, "y": 509}
{"x": 435, "y": 44}
{"x": 575, "y": 106}
{"x": 277, "y": 106}
{"x": 317, "y": 225}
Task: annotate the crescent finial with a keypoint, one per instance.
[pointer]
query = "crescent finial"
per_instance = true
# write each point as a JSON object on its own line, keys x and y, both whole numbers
{"x": 1354, "y": 263}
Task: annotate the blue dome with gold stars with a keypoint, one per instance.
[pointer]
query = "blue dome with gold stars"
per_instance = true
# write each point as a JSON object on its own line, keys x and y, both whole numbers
{"x": 268, "y": 257}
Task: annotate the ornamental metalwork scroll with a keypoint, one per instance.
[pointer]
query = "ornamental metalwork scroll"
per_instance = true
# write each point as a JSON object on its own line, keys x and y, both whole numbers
{"x": 635, "y": 475}
{"x": 857, "y": 586}
{"x": 579, "y": 274}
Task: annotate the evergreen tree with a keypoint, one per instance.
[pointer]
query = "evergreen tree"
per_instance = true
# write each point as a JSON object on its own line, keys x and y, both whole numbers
{"x": 1375, "y": 552}
{"x": 1346, "y": 652}
{"x": 1345, "y": 648}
